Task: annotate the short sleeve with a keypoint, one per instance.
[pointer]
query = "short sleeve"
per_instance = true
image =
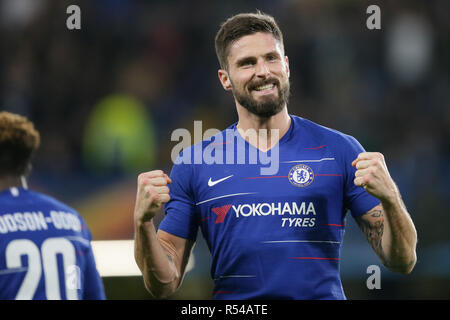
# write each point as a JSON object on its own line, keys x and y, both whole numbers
{"x": 93, "y": 283}
{"x": 93, "y": 289}
{"x": 180, "y": 210}
{"x": 356, "y": 199}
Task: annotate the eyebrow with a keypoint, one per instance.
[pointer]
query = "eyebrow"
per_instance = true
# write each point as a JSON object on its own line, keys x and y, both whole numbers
{"x": 244, "y": 60}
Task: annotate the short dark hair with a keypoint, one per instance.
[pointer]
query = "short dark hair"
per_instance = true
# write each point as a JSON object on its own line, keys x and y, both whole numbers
{"x": 18, "y": 142}
{"x": 241, "y": 25}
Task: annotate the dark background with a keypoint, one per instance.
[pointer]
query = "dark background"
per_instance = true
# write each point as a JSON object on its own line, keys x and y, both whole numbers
{"x": 106, "y": 99}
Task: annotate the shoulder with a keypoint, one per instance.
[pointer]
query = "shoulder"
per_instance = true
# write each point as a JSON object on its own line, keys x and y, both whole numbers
{"x": 51, "y": 201}
{"x": 316, "y": 129}
{"x": 197, "y": 154}
{"x": 63, "y": 211}
{"x": 332, "y": 138}
{"x": 53, "y": 204}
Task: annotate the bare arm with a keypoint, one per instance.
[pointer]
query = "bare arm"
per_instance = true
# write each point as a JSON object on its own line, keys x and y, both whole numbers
{"x": 393, "y": 241}
{"x": 388, "y": 227}
{"x": 161, "y": 257}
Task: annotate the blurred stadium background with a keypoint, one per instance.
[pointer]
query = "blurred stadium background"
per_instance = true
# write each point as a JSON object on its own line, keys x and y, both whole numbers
{"x": 107, "y": 97}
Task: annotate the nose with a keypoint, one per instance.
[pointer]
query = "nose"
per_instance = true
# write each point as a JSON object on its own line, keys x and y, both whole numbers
{"x": 262, "y": 70}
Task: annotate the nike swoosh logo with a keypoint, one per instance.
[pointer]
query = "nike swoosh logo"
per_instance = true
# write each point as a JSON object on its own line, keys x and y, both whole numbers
{"x": 213, "y": 183}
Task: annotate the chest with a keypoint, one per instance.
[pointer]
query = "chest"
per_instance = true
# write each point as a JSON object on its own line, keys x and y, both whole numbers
{"x": 303, "y": 195}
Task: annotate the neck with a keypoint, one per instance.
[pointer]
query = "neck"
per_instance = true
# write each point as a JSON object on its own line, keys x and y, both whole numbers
{"x": 248, "y": 120}
{"x": 280, "y": 123}
{"x": 10, "y": 182}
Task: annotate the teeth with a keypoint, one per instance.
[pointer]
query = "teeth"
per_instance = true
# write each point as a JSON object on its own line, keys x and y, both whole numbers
{"x": 266, "y": 87}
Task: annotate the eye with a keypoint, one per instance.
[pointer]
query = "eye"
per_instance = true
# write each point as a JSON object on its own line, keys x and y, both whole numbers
{"x": 247, "y": 63}
{"x": 271, "y": 57}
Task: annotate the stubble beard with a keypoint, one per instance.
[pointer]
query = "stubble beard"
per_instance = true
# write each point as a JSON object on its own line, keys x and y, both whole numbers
{"x": 268, "y": 106}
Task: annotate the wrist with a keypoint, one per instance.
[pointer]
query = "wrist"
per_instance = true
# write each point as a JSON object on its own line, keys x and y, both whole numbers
{"x": 391, "y": 201}
{"x": 392, "y": 197}
{"x": 143, "y": 224}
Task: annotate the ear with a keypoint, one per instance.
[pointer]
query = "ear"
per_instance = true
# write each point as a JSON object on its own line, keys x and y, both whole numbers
{"x": 224, "y": 79}
{"x": 286, "y": 59}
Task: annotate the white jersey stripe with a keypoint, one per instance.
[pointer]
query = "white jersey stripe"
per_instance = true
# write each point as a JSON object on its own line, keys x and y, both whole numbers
{"x": 225, "y": 196}
{"x": 306, "y": 241}
{"x": 318, "y": 160}
{"x": 236, "y": 276}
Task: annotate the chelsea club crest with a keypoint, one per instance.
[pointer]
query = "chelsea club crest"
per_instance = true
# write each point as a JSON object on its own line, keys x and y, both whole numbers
{"x": 301, "y": 175}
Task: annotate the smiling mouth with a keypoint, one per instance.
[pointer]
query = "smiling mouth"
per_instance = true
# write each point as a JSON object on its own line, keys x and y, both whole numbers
{"x": 265, "y": 87}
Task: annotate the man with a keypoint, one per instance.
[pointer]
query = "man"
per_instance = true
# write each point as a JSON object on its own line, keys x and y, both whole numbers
{"x": 277, "y": 236}
{"x": 45, "y": 250}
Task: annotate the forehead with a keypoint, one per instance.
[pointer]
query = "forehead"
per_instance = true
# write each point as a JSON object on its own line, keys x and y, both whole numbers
{"x": 256, "y": 44}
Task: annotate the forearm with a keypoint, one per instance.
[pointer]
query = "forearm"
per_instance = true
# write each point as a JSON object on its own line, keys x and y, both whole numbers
{"x": 388, "y": 226}
{"x": 399, "y": 236}
{"x": 392, "y": 235}
{"x": 155, "y": 262}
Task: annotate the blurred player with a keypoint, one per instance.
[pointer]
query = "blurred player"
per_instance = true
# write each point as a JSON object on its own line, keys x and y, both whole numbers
{"x": 45, "y": 250}
{"x": 271, "y": 236}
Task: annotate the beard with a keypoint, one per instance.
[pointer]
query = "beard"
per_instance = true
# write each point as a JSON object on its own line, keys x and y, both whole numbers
{"x": 265, "y": 106}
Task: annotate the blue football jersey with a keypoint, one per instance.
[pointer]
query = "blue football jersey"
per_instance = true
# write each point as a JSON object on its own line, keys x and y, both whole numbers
{"x": 45, "y": 250}
{"x": 271, "y": 236}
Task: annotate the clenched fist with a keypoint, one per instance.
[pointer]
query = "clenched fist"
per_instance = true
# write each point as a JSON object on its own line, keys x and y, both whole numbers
{"x": 372, "y": 174}
{"x": 152, "y": 193}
